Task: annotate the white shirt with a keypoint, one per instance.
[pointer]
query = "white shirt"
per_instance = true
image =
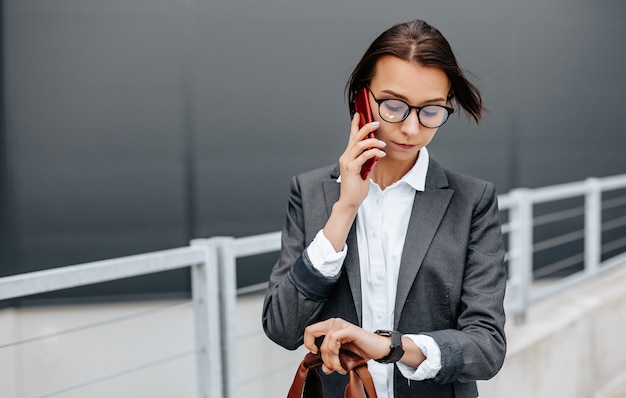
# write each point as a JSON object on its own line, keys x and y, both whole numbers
{"x": 381, "y": 225}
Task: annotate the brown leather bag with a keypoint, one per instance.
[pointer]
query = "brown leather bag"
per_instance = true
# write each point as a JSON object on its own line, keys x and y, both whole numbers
{"x": 307, "y": 382}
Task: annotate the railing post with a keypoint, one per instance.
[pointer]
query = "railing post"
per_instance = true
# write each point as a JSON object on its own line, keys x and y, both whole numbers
{"x": 593, "y": 222}
{"x": 205, "y": 291}
{"x": 228, "y": 310}
{"x": 521, "y": 251}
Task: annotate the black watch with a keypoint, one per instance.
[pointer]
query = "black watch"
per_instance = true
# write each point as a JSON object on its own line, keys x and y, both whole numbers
{"x": 396, "y": 346}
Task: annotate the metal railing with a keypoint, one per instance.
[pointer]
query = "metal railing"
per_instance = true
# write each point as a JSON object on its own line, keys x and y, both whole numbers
{"x": 522, "y": 223}
{"x": 201, "y": 256}
{"x": 213, "y": 265}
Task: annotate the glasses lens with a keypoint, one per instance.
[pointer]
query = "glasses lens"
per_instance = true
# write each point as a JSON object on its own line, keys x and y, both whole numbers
{"x": 433, "y": 115}
{"x": 393, "y": 111}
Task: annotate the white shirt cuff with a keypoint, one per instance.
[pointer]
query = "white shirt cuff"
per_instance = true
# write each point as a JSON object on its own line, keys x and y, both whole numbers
{"x": 324, "y": 257}
{"x": 431, "y": 365}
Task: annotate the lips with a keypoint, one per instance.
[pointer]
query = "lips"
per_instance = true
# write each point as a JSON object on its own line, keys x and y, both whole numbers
{"x": 404, "y": 146}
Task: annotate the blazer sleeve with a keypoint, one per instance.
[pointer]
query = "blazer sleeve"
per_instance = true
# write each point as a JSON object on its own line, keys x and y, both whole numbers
{"x": 296, "y": 290}
{"x": 475, "y": 350}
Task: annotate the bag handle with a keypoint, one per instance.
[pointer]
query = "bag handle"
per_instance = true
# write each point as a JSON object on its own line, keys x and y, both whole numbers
{"x": 307, "y": 382}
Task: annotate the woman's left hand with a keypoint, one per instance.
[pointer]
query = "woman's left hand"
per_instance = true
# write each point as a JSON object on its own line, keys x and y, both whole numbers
{"x": 339, "y": 333}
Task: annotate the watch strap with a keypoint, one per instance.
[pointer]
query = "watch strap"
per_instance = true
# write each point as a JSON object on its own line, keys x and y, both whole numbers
{"x": 396, "y": 346}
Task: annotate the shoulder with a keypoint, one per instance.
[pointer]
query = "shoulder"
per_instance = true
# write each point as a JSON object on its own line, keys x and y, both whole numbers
{"x": 316, "y": 176}
{"x": 454, "y": 178}
{"x": 311, "y": 184}
{"x": 465, "y": 187}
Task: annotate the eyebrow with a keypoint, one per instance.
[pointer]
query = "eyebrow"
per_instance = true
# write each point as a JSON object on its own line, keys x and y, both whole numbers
{"x": 400, "y": 96}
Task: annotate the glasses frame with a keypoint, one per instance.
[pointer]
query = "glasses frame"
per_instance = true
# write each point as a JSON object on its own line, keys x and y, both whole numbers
{"x": 379, "y": 101}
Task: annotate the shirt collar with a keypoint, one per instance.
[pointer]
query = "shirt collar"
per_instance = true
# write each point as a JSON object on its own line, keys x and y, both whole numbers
{"x": 416, "y": 177}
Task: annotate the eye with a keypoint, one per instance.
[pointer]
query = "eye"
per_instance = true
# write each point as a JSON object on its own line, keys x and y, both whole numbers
{"x": 432, "y": 111}
{"x": 394, "y": 106}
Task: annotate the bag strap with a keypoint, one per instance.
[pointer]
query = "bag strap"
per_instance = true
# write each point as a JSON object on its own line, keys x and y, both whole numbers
{"x": 361, "y": 381}
{"x": 307, "y": 382}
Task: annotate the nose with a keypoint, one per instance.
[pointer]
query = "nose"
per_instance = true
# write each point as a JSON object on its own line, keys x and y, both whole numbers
{"x": 411, "y": 125}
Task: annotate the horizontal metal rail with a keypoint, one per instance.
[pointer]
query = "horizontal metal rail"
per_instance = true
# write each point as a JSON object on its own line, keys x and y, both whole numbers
{"x": 558, "y": 241}
{"x": 257, "y": 244}
{"x": 559, "y": 216}
{"x": 614, "y": 245}
{"x": 613, "y": 224}
{"x": 98, "y": 271}
{"x": 614, "y": 202}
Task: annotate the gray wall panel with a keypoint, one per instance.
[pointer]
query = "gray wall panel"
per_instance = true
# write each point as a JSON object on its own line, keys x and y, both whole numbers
{"x": 136, "y": 125}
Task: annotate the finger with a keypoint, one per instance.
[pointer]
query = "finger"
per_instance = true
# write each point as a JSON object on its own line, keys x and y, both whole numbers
{"x": 331, "y": 329}
{"x": 359, "y": 133}
{"x": 368, "y": 143}
{"x": 328, "y": 370}
{"x": 312, "y": 332}
{"x": 330, "y": 350}
{"x": 354, "y": 124}
{"x": 359, "y": 162}
{"x": 330, "y": 359}
{"x": 331, "y": 344}
{"x": 368, "y": 154}
{"x": 359, "y": 148}
{"x": 367, "y": 130}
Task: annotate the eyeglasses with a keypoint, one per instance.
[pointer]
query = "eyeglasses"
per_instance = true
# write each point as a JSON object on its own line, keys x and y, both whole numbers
{"x": 396, "y": 111}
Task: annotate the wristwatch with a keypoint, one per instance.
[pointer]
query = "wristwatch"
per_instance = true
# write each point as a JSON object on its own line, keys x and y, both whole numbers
{"x": 396, "y": 346}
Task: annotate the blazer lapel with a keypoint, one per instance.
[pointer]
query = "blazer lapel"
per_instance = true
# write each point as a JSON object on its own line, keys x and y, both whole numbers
{"x": 429, "y": 207}
{"x": 428, "y": 210}
{"x": 351, "y": 264}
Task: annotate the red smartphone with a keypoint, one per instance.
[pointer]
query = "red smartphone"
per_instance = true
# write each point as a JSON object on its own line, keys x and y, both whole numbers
{"x": 362, "y": 106}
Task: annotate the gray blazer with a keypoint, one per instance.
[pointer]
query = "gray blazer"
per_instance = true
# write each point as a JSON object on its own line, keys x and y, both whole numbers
{"x": 451, "y": 283}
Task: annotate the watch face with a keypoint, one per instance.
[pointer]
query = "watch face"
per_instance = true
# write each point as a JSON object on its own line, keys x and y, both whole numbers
{"x": 396, "y": 351}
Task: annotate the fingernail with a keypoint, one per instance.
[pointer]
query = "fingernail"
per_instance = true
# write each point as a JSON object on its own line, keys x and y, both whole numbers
{"x": 383, "y": 143}
{"x": 382, "y": 153}
{"x": 375, "y": 124}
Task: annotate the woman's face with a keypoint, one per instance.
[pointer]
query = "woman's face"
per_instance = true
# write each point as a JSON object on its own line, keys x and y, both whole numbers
{"x": 415, "y": 84}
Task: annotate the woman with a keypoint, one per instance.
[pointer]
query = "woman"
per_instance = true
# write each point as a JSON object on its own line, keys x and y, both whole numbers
{"x": 404, "y": 267}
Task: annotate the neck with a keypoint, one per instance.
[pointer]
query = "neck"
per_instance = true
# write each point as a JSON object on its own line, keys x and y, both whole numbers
{"x": 388, "y": 171}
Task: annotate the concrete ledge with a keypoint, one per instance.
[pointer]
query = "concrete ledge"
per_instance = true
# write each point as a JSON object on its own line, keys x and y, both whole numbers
{"x": 571, "y": 346}
{"x": 8, "y": 356}
{"x": 615, "y": 389}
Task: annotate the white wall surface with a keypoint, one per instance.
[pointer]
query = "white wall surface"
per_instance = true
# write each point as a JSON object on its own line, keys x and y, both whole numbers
{"x": 571, "y": 346}
{"x": 90, "y": 355}
{"x": 8, "y": 357}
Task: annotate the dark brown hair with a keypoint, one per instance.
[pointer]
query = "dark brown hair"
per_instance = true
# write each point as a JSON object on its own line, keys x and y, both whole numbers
{"x": 417, "y": 41}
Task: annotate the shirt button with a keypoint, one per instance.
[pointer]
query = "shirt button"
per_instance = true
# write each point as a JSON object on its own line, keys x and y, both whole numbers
{"x": 374, "y": 234}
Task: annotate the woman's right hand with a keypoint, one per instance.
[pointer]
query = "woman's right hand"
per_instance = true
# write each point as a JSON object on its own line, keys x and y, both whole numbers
{"x": 353, "y": 188}
{"x": 359, "y": 149}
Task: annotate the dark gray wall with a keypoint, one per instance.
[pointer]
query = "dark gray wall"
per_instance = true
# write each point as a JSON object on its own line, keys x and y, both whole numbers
{"x": 135, "y": 125}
